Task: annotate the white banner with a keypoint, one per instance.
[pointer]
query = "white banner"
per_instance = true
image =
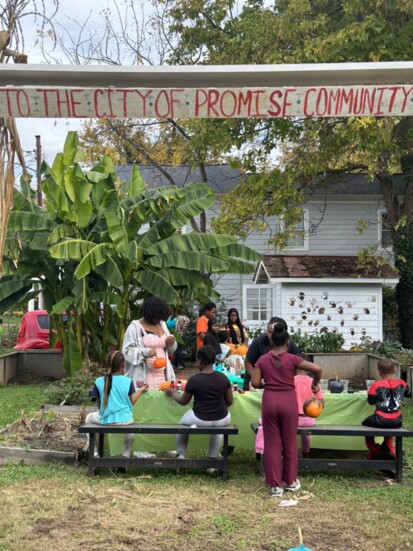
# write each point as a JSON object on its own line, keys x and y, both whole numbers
{"x": 207, "y": 103}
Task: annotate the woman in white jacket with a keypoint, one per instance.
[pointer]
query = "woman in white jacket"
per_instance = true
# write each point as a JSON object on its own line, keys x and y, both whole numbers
{"x": 145, "y": 341}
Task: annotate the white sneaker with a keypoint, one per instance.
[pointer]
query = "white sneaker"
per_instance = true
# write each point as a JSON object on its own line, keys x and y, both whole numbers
{"x": 294, "y": 487}
{"x": 277, "y": 491}
{"x": 144, "y": 455}
{"x": 180, "y": 456}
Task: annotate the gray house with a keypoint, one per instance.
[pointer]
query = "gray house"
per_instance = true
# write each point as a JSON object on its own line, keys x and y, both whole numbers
{"x": 316, "y": 281}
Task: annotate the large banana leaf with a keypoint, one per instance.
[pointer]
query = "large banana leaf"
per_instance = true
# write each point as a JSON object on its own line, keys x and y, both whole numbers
{"x": 175, "y": 219}
{"x": 72, "y": 357}
{"x": 29, "y": 221}
{"x": 72, "y": 249}
{"x": 63, "y": 305}
{"x": 156, "y": 284}
{"x": 117, "y": 226}
{"x": 137, "y": 183}
{"x": 15, "y": 291}
{"x": 61, "y": 232}
{"x": 189, "y": 260}
{"x": 110, "y": 272}
{"x": 238, "y": 251}
{"x": 71, "y": 152}
{"x": 191, "y": 242}
{"x": 93, "y": 258}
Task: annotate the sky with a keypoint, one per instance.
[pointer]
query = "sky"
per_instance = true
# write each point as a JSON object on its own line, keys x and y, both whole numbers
{"x": 71, "y": 14}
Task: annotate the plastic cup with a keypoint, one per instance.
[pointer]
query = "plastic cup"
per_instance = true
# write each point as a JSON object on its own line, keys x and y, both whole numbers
{"x": 139, "y": 383}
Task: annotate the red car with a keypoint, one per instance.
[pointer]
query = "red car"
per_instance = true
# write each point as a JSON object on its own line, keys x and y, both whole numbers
{"x": 34, "y": 331}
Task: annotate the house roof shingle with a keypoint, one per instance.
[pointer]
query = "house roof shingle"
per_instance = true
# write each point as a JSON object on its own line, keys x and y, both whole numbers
{"x": 279, "y": 266}
{"x": 222, "y": 179}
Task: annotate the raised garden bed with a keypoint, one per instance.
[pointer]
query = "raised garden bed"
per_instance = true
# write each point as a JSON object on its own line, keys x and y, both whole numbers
{"x": 49, "y": 435}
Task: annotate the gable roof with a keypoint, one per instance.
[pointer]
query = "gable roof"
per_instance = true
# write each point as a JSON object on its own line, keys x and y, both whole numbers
{"x": 222, "y": 179}
{"x": 282, "y": 267}
{"x": 355, "y": 184}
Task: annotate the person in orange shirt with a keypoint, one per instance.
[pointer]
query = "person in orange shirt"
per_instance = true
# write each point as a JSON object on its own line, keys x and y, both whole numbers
{"x": 207, "y": 312}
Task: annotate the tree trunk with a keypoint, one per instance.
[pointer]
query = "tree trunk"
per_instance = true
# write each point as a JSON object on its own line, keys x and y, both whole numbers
{"x": 403, "y": 252}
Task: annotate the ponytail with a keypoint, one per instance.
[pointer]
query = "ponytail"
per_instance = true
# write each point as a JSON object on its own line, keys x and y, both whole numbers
{"x": 113, "y": 362}
{"x": 280, "y": 334}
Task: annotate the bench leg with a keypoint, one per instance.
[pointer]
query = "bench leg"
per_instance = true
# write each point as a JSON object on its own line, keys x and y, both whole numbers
{"x": 225, "y": 458}
{"x": 101, "y": 444}
{"x": 399, "y": 459}
{"x": 91, "y": 468}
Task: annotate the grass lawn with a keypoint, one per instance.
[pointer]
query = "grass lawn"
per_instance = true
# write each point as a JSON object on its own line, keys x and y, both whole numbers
{"x": 58, "y": 507}
{"x": 14, "y": 398}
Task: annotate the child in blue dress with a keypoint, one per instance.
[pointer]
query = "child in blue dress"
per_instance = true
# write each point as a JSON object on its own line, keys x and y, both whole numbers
{"x": 115, "y": 395}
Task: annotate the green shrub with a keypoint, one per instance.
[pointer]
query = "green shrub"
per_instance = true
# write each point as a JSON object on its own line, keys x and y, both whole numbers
{"x": 321, "y": 341}
{"x": 72, "y": 390}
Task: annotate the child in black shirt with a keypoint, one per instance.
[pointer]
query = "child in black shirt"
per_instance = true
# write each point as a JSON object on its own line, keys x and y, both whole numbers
{"x": 212, "y": 395}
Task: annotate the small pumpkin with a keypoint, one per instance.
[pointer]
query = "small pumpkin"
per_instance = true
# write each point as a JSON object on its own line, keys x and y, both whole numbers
{"x": 335, "y": 386}
{"x": 159, "y": 363}
{"x": 239, "y": 349}
{"x": 166, "y": 384}
{"x": 312, "y": 407}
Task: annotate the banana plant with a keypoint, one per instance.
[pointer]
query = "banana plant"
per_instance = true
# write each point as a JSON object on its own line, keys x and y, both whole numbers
{"x": 100, "y": 246}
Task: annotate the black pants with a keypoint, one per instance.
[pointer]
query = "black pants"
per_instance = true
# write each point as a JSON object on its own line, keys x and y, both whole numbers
{"x": 178, "y": 359}
{"x": 246, "y": 383}
{"x": 382, "y": 423}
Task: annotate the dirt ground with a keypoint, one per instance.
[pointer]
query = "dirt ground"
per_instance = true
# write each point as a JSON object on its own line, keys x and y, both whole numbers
{"x": 46, "y": 430}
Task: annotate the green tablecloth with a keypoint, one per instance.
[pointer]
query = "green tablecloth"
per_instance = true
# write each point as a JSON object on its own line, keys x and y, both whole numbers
{"x": 155, "y": 407}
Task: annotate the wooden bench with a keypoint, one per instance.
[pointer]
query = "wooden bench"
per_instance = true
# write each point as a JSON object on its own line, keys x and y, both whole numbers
{"x": 167, "y": 463}
{"x": 395, "y": 465}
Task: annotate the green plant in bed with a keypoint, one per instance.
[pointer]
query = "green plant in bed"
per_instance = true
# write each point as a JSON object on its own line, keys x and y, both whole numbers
{"x": 321, "y": 341}
{"x": 71, "y": 391}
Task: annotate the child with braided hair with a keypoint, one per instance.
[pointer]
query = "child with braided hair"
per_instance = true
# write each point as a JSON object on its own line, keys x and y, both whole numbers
{"x": 115, "y": 395}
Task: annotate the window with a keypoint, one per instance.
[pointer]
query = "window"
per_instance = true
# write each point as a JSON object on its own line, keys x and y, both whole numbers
{"x": 300, "y": 242}
{"x": 385, "y": 237}
{"x": 258, "y": 302}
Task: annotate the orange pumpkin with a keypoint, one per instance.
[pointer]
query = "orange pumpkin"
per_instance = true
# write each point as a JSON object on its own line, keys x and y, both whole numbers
{"x": 159, "y": 363}
{"x": 163, "y": 386}
{"x": 239, "y": 349}
{"x": 312, "y": 407}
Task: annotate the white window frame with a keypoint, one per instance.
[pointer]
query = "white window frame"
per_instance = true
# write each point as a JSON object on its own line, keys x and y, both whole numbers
{"x": 259, "y": 321}
{"x": 380, "y": 212}
{"x": 306, "y": 229}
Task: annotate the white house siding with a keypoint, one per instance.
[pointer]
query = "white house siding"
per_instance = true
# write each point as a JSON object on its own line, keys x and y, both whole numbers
{"x": 353, "y": 309}
{"x": 333, "y": 232}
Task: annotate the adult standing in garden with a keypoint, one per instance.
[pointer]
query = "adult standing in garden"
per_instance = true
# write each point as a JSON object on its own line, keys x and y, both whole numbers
{"x": 146, "y": 340}
{"x": 236, "y": 330}
{"x": 260, "y": 346}
{"x": 207, "y": 312}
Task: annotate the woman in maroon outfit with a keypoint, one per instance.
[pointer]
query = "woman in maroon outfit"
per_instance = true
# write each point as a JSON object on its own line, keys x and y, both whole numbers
{"x": 275, "y": 373}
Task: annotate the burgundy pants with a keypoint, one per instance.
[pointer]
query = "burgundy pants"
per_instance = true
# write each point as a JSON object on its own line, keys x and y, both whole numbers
{"x": 279, "y": 423}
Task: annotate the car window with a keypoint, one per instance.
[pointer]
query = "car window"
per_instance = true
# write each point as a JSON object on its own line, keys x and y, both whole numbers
{"x": 44, "y": 322}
